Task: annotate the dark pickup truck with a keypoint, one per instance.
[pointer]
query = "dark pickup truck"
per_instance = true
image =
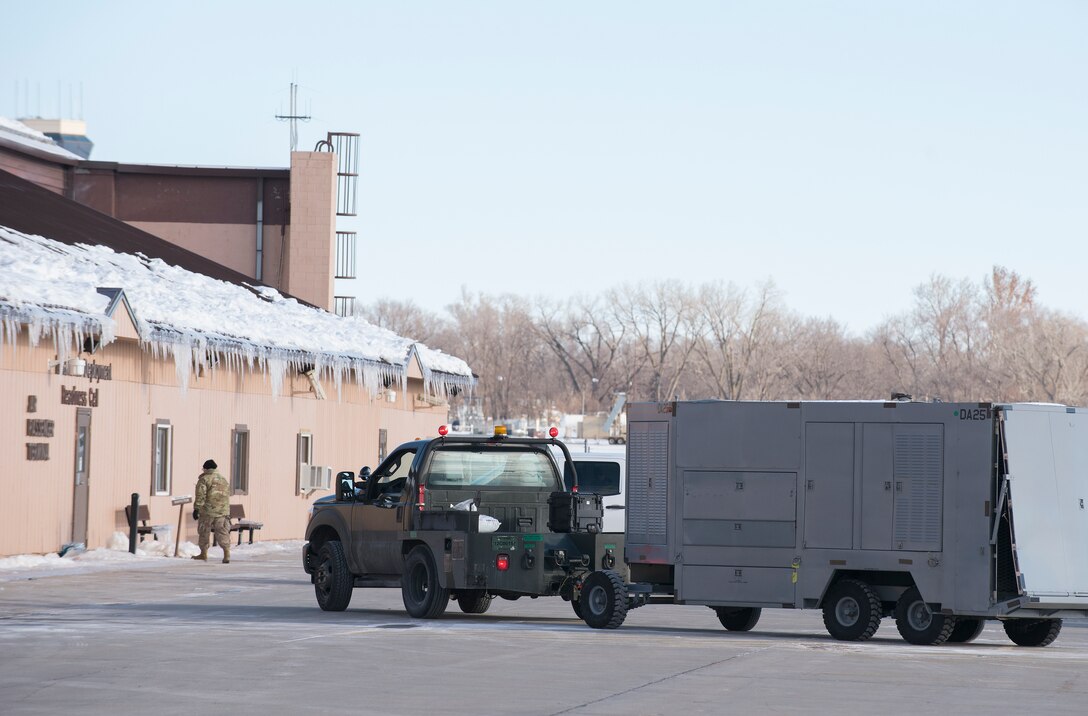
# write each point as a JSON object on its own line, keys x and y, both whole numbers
{"x": 425, "y": 520}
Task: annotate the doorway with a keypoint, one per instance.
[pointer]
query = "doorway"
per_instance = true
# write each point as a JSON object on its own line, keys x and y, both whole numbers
{"x": 82, "y": 468}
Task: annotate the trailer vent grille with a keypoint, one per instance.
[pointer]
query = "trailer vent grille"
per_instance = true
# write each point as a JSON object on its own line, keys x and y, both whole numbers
{"x": 919, "y": 472}
{"x": 647, "y": 482}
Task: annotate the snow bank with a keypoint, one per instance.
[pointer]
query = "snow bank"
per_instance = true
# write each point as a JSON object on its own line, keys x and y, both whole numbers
{"x": 115, "y": 555}
{"x": 199, "y": 321}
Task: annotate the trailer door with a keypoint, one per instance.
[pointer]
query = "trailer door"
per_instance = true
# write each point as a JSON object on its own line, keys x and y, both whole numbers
{"x": 1048, "y": 490}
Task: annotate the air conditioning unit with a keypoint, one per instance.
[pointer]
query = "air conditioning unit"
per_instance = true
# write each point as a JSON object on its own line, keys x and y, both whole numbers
{"x": 314, "y": 477}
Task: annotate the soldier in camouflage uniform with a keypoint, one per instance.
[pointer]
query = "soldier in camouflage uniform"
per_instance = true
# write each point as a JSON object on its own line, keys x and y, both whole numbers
{"x": 212, "y": 510}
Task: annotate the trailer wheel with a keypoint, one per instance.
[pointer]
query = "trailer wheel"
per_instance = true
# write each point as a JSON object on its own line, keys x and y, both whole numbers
{"x": 966, "y": 630}
{"x": 851, "y": 611}
{"x": 474, "y": 601}
{"x": 419, "y": 589}
{"x": 1032, "y": 632}
{"x": 738, "y": 618}
{"x": 604, "y": 600}
{"x": 918, "y": 624}
{"x": 332, "y": 579}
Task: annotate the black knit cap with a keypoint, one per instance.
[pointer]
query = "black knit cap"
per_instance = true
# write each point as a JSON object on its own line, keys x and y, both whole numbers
{"x": 210, "y": 465}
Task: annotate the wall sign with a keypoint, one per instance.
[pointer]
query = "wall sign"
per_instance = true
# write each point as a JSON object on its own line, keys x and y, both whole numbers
{"x": 86, "y": 398}
{"x": 37, "y": 451}
{"x": 39, "y": 428}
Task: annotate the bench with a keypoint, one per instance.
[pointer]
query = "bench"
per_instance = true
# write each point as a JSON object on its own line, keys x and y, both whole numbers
{"x": 239, "y": 523}
{"x": 142, "y": 516}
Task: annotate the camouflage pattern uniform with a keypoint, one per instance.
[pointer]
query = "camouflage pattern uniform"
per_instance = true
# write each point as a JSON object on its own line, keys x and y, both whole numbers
{"x": 213, "y": 504}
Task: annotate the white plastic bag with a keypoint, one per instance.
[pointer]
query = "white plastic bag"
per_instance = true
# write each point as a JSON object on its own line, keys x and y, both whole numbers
{"x": 488, "y": 523}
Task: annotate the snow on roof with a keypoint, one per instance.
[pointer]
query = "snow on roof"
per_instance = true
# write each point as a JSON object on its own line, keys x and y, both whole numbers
{"x": 53, "y": 288}
{"x": 18, "y": 133}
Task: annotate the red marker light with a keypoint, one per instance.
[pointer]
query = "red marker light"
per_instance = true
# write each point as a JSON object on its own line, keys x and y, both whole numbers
{"x": 502, "y": 562}
{"x": 443, "y": 430}
{"x": 421, "y": 494}
{"x": 553, "y": 431}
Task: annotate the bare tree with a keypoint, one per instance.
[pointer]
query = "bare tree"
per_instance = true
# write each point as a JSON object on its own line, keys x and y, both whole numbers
{"x": 655, "y": 317}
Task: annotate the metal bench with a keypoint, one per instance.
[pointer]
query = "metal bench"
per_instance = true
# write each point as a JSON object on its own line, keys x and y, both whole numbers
{"x": 239, "y": 523}
{"x": 142, "y": 516}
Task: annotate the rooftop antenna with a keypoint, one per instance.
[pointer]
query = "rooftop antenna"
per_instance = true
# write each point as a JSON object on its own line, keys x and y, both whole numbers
{"x": 294, "y": 116}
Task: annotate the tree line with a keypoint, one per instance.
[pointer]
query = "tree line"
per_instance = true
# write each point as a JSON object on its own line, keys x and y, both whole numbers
{"x": 959, "y": 341}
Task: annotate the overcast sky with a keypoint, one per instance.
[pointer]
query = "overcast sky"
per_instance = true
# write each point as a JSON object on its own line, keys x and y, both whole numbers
{"x": 848, "y": 150}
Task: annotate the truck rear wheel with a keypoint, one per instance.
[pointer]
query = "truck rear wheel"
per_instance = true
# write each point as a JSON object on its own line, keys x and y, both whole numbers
{"x": 966, "y": 630}
{"x": 851, "y": 611}
{"x": 603, "y": 602}
{"x": 419, "y": 588}
{"x": 738, "y": 618}
{"x": 577, "y": 608}
{"x": 474, "y": 601}
{"x": 918, "y": 624}
{"x": 1032, "y": 632}
{"x": 332, "y": 580}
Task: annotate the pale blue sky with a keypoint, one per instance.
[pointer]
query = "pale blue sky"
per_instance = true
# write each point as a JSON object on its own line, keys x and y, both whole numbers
{"x": 848, "y": 150}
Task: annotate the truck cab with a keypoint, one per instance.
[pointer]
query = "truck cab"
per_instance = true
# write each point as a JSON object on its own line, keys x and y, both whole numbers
{"x": 463, "y": 519}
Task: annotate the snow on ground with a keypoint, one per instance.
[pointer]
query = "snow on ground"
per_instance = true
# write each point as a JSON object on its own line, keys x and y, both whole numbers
{"x": 149, "y": 554}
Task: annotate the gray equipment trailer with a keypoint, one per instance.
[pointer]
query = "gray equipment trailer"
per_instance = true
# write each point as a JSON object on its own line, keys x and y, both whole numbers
{"x": 942, "y": 515}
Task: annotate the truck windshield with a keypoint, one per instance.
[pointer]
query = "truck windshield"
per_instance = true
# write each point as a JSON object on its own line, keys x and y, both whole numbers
{"x": 506, "y": 468}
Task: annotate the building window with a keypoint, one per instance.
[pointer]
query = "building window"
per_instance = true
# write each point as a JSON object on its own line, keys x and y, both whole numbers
{"x": 162, "y": 457}
{"x": 345, "y": 305}
{"x": 305, "y": 458}
{"x": 239, "y": 460}
{"x": 345, "y": 254}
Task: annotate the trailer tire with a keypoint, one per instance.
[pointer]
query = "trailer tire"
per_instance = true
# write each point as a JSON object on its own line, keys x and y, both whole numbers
{"x": 419, "y": 588}
{"x": 333, "y": 582}
{"x": 474, "y": 601}
{"x": 851, "y": 611}
{"x": 603, "y": 600}
{"x": 738, "y": 618}
{"x": 1032, "y": 632}
{"x": 918, "y": 624}
{"x": 966, "y": 630}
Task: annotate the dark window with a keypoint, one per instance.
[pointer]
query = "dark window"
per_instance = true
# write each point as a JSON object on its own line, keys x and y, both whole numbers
{"x": 602, "y": 477}
{"x": 239, "y": 460}
{"x": 345, "y": 305}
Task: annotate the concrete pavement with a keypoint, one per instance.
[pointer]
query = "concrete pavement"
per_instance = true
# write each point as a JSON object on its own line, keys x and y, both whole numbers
{"x": 248, "y": 638}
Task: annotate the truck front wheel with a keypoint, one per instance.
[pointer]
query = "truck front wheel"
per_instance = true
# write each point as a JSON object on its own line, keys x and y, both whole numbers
{"x": 1032, "y": 632}
{"x": 918, "y": 624}
{"x": 738, "y": 618}
{"x": 419, "y": 588}
{"x": 603, "y": 602}
{"x": 332, "y": 580}
{"x": 851, "y": 611}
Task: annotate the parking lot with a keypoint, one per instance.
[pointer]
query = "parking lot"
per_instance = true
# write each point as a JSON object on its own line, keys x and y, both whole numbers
{"x": 175, "y": 636}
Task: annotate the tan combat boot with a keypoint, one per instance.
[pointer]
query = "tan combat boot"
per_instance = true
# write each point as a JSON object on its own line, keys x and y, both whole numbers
{"x": 203, "y": 555}
{"x": 226, "y": 556}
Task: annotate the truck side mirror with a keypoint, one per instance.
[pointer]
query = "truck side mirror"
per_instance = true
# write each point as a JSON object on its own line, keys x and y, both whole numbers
{"x": 345, "y": 486}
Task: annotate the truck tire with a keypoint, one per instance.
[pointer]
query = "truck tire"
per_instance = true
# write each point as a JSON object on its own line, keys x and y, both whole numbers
{"x": 851, "y": 611}
{"x": 419, "y": 588}
{"x": 918, "y": 624}
{"x": 577, "y": 608}
{"x": 332, "y": 579}
{"x": 738, "y": 618}
{"x": 1032, "y": 632}
{"x": 966, "y": 630}
{"x": 603, "y": 602}
{"x": 474, "y": 601}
